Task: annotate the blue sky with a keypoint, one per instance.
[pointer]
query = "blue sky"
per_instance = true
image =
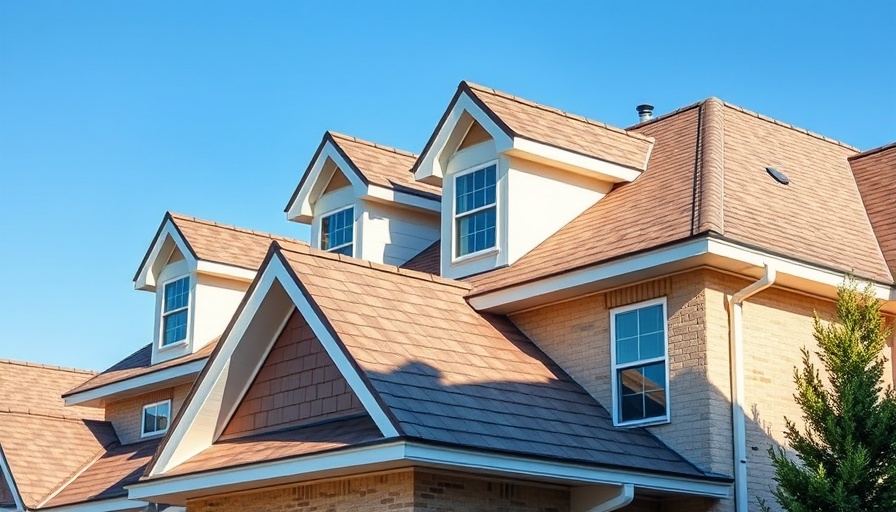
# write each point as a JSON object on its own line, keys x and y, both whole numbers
{"x": 112, "y": 113}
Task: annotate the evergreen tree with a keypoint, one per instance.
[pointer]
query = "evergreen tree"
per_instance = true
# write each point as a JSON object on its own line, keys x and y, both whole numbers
{"x": 847, "y": 451}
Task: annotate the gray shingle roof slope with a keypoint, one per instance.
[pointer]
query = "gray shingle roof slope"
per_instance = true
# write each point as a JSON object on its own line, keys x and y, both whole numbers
{"x": 451, "y": 375}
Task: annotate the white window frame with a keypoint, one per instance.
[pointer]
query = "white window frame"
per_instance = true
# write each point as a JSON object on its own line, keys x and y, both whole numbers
{"x": 143, "y": 432}
{"x": 320, "y": 230}
{"x": 455, "y": 258}
{"x": 163, "y": 313}
{"x": 640, "y": 362}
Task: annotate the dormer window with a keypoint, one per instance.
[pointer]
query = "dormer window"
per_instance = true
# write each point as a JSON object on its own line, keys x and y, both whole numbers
{"x": 175, "y": 311}
{"x": 337, "y": 232}
{"x": 156, "y": 418}
{"x": 475, "y": 210}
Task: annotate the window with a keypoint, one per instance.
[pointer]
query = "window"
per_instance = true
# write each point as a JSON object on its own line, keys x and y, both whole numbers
{"x": 155, "y": 418}
{"x": 175, "y": 307}
{"x": 337, "y": 232}
{"x": 475, "y": 211}
{"x": 640, "y": 370}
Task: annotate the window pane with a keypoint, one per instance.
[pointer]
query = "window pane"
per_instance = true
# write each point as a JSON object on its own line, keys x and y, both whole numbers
{"x": 627, "y": 324}
{"x": 651, "y": 345}
{"x": 347, "y": 250}
{"x": 475, "y": 189}
{"x": 641, "y": 392}
{"x": 650, "y": 319}
{"x": 177, "y": 294}
{"x": 476, "y": 232}
{"x": 655, "y": 404}
{"x": 632, "y": 407}
{"x": 149, "y": 420}
{"x": 337, "y": 230}
{"x": 175, "y": 327}
{"x": 626, "y": 350}
{"x": 654, "y": 376}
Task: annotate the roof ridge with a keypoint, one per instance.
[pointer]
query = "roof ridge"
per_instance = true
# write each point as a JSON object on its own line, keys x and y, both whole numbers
{"x": 27, "y": 411}
{"x": 557, "y": 111}
{"x": 382, "y": 267}
{"x": 667, "y": 115}
{"x": 232, "y": 227}
{"x": 787, "y": 125}
{"x": 48, "y": 366}
{"x": 868, "y": 152}
{"x": 372, "y": 144}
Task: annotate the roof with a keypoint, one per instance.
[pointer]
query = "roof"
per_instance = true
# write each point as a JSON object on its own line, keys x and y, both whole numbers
{"x": 293, "y": 442}
{"x": 708, "y": 167}
{"x": 875, "y": 172}
{"x": 427, "y": 260}
{"x": 107, "y": 476}
{"x": 138, "y": 364}
{"x": 448, "y": 374}
{"x": 44, "y": 442}
{"x": 220, "y": 243}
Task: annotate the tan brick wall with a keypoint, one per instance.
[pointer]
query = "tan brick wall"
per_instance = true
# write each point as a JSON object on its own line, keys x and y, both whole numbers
{"x": 439, "y": 492}
{"x": 776, "y": 324}
{"x": 298, "y": 383}
{"x": 126, "y": 415}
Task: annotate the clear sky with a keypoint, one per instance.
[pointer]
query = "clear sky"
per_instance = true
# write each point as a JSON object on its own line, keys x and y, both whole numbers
{"x": 113, "y": 112}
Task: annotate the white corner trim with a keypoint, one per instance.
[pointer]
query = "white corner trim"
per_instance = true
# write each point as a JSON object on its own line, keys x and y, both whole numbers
{"x": 343, "y": 364}
{"x": 113, "y": 505}
{"x": 145, "y": 280}
{"x": 177, "y": 448}
{"x": 569, "y": 160}
{"x": 410, "y": 453}
{"x": 221, "y": 270}
{"x": 383, "y": 194}
{"x": 301, "y": 206}
{"x": 10, "y": 481}
{"x": 147, "y": 380}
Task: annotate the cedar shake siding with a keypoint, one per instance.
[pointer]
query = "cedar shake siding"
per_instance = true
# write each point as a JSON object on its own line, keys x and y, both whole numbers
{"x": 297, "y": 384}
{"x": 126, "y": 415}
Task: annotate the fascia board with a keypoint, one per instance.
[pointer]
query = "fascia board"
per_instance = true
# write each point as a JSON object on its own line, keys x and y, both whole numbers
{"x": 572, "y": 161}
{"x": 129, "y": 386}
{"x": 10, "y": 481}
{"x": 397, "y": 454}
{"x": 383, "y": 194}
{"x": 429, "y": 161}
{"x": 300, "y": 209}
{"x": 114, "y": 505}
{"x": 144, "y": 280}
{"x": 221, "y": 270}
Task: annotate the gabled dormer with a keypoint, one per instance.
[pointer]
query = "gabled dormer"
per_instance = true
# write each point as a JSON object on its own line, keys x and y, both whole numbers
{"x": 361, "y": 200}
{"x": 199, "y": 271}
{"x": 513, "y": 172}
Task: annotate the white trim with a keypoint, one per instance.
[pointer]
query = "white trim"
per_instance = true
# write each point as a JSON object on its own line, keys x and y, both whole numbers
{"x": 145, "y": 280}
{"x": 174, "y": 449}
{"x": 301, "y": 209}
{"x": 404, "y": 453}
{"x": 614, "y": 366}
{"x": 320, "y": 231}
{"x": 111, "y": 505}
{"x": 10, "y": 481}
{"x": 155, "y": 433}
{"x": 191, "y": 285}
{"x": 455, "y": 258}
{"x": 148, "y": 380}
{"x": 572, "y": 161}
{"x": 222, "y": 270}
{"x": 383, "y": 194}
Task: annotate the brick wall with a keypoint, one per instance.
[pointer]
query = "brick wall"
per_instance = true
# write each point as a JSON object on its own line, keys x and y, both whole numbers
{"x": 126, "y": 415}
{"x": 298, "y": 383}
{"x": 438, "y": 492}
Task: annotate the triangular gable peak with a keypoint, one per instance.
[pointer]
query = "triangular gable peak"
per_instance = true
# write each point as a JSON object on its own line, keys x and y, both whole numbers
{"x": 248, "y": 353}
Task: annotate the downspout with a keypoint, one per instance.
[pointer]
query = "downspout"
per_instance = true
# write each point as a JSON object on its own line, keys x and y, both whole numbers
{"x": 738, "y": 416}
{"x": 601, "y": 499}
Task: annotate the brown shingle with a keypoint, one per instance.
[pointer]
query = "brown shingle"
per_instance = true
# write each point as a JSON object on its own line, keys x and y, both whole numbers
{"x": 137, "y": 364}
{"x": 875, "y": 173}
{"x": 426, "y": 260}
{"x": 44, "y": 442}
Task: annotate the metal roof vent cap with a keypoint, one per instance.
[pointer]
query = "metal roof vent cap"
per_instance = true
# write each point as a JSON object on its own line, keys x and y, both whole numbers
{"x": 645, "y": 112}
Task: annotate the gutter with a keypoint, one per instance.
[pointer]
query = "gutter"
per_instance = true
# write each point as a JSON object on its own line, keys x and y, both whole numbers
{"x": 601, "y": 499}
{"x": 738, "y": 420}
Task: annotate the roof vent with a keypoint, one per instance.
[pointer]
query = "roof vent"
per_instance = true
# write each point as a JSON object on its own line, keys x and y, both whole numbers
{"x": 779, "y": 176}
{"x": 645, "y": 112}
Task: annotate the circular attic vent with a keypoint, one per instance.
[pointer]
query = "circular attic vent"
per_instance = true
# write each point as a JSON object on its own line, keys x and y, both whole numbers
{"x": 779, "y": 176}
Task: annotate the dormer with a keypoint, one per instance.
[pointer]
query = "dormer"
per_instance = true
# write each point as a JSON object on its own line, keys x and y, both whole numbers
{"x": 361, "y": 200}
{"x": 199, "y": 272}
{"x": 513, "y": 172}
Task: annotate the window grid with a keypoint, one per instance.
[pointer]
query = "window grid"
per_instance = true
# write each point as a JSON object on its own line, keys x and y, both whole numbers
{"x": 475, "y": 210}
{"x": 156, "y": 418}
{"x": 640, "y": 372}
{"x": 337, "y": 232}
{"x": 176, "y": 303}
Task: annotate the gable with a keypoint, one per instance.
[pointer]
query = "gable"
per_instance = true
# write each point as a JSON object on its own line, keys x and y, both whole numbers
{"x": 337, "y": 181}
{"x": 476, "y": 134}
{"x": 297, "y": 384}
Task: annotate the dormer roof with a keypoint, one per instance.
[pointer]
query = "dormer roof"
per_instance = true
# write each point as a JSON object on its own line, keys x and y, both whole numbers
{"x": 524, "y": 128}
{"x": 370, "y": 168}
{"x": 208, "y": 246}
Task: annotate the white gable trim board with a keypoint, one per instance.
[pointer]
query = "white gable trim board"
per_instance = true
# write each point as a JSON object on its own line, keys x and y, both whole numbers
{"x": 171, "y": 376}
{"x": 145, "y": 279}
{"x": 301, "y": 208}
{"x": 201, "y": 417}
{"x": 402, "y": 453}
